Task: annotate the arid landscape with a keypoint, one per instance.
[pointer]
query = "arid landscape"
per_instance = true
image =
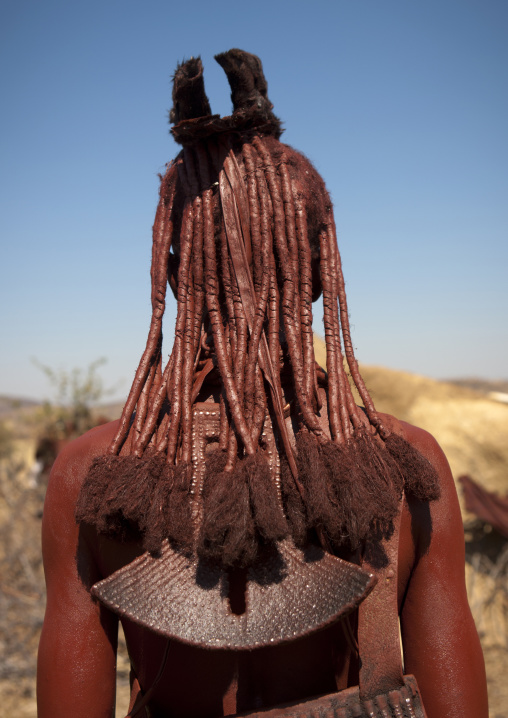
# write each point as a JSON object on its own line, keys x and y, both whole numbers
{"x": 469, "y": 419}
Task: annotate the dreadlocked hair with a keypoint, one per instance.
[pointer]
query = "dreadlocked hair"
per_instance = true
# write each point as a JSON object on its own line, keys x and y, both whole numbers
{"x": 244, "y": 233}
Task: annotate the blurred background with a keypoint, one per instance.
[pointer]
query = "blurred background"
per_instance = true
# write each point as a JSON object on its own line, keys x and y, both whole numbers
{"x": 402, "y": 107}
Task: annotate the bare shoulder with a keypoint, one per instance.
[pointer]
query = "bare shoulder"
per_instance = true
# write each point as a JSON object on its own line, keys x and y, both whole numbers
{"x": 441, "y": 645}
{"x": 437, "y": 524}
{"x": 419, "y": 438}
{"x": 427, "y": 445}
{"x": 60, "y": 533}
{"x": 78, "y": 636}
{"x": 73, "y": 462}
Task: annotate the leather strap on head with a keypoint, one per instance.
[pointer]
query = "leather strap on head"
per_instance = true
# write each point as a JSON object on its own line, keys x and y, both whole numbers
{"x": 237, "y": 224}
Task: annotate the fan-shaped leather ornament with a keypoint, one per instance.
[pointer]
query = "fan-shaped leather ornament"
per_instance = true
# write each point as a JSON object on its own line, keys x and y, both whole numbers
{"x": 289, "y": 593}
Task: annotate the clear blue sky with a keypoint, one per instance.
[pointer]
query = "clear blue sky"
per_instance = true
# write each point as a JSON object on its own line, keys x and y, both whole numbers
{"x": 401, "y": 104}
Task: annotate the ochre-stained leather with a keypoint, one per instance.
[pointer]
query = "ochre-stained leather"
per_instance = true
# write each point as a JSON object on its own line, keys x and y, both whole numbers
{"x": 404, "y": 702}
{"x": 289, "y": 594}
{"x": 383, "y": 691}
{"x": 378, "y": 625}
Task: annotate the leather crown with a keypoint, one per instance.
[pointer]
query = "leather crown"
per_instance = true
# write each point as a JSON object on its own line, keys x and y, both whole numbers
{"x": 252, "y": 110}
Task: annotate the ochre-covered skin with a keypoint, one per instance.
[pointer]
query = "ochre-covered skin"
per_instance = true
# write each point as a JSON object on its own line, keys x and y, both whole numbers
{"x": 76, "y": 672}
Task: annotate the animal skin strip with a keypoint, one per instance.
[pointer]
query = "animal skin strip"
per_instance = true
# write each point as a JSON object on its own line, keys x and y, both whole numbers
{"x": 244, "y": 281}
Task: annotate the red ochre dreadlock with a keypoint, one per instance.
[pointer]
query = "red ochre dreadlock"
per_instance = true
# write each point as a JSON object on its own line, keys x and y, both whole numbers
{"x": 244, "y": 233}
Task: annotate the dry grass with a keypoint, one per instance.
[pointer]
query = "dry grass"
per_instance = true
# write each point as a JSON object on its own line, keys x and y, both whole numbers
{"x": 470, "y": 427}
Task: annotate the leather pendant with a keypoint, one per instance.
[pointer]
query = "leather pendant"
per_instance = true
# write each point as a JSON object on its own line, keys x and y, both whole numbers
{"x": 289, "y": 594}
